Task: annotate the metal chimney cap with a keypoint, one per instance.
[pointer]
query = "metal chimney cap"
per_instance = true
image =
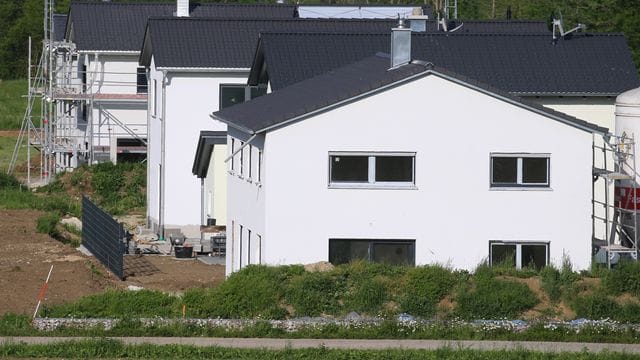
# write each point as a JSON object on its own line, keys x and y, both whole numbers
{"x": 402, "y": 24}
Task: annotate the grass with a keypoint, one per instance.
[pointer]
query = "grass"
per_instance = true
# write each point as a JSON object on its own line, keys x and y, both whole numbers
{"x": 7, "y": 144}
{"x": 108, "y": 348}
{"x": 13, "y": 104}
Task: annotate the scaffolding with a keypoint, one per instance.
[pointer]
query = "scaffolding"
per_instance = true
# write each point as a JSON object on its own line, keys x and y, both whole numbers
{"x": 76, "y": 123}
{"x": 618, "y": 213}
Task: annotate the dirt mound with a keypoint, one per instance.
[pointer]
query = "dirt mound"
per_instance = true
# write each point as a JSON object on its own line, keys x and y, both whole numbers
{"x": 26, "y": 257}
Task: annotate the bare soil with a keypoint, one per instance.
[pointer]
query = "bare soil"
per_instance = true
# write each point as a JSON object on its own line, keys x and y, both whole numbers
{"x": 26, "y": 256}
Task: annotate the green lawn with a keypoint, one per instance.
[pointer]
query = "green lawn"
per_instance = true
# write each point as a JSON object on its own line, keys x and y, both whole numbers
{"x": 7, "y": 143}
{"x": 13, "y": 103}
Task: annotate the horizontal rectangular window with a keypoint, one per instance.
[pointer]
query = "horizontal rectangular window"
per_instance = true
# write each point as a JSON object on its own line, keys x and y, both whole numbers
{"x": 394, "y": 252}
{"x": 519, "y": 254}
{"x": 384, "y": 169}
{"x": 516, "y": 170}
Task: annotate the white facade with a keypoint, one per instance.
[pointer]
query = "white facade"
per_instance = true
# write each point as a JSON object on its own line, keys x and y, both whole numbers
{"x": 452, "y": 213}
{"x": 174, "y": 195}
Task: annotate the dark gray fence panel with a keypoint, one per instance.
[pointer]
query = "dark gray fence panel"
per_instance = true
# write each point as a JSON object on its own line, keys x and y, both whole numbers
{"x": 104, "y": 237}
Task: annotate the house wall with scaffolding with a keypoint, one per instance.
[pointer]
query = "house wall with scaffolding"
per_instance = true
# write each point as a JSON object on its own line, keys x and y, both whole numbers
{"x": 617, "y": 169}
{"x": 93, "y": 107}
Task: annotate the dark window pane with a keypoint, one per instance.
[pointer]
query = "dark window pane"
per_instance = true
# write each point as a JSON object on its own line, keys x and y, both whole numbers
{"x": 534, "y": 170}
{"x": 231, "y": 95}
{"x": 502, "y": 254}
{"x": 393, "y": 253}
{"x": 534, "y": 256}
{"x": 349, "y": 168}
{"x": 141, "y": 81}
{"x": 345, "y": 251}
{"x": 394, "y": 168}
{"x": 504, "y": 170}
{"x": 258, "y": 91}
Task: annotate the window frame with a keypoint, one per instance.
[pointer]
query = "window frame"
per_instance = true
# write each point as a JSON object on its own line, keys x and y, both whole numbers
{"x": 232, "y": 156}
{"x": 370, "y": 247}
{"x": 518, "y": 255}
{"x": 141, "y": 73}
{"x": 519, "y": 184}
{"x": 371, "y": 182}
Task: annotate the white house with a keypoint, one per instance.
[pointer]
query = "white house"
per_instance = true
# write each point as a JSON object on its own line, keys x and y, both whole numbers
{"x": 196, "y": 66}
{"x": 413, "y": 164}
{"x": 101, "y": 89}
{"x": 578, "y": 75}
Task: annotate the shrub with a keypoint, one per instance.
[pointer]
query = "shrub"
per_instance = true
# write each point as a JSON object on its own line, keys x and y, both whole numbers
{"x": 253, "y": 292}
{"x": 625, "y": 277}
{"x": 48, "y": 224}
{"x": 119, "y": 304}
{"x": 425, "y": 287}
{"x": 8, "y": 181}
{"x": 366, "y": 296}
{"x": 490, "y": 298}
{"x": 551, "y": 283}
{"x": 595, "y": 306}
{"x": 316, "y": 293}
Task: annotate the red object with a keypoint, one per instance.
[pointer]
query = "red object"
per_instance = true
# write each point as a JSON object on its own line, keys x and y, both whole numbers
{"x": 627, "y": 199}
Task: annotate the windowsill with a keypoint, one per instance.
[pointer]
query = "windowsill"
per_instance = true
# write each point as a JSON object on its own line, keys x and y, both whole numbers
{"x": 368, "y": 186}
{"x": 520, "y": 188}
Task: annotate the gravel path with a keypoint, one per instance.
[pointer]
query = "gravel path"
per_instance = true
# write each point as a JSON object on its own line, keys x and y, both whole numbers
{"x": 352, "y": 344}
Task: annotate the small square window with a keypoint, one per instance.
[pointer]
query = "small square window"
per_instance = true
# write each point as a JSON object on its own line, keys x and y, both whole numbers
{"x": 231, "y": 95}
{"x": 394, "y": 168}
{"x": 349, "y": 168}
{"x": 534, "y": 170}
{"x": 505, "y": 170}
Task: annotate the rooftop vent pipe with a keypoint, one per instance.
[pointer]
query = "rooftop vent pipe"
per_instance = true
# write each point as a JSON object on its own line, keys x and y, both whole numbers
{"x": 400, "y": 44}
{"x": 183, "y": 8}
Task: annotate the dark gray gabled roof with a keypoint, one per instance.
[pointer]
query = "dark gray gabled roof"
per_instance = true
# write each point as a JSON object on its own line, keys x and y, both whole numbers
{"x": 522, "y": 64}
{"x": 110, "y": 26}
{"x": 206, "y": 143}
{"x": 350, "y": 83}
{"x": 59, "y": 24}
{"x": 229, "y": 43}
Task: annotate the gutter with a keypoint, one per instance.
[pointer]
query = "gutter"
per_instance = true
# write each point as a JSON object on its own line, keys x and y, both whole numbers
{"x": 163, "y": 132}
{"x": 202, "y": 69}
{"x": 109, "y": 52}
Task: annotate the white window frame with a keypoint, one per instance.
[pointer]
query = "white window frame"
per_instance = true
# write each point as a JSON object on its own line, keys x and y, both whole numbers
{"x": 232, "y": 160}
{"x": 241, "y": 160}
{"x": 259, "y": 174}
{"x": 520, "y": 184}
{"x": 372, "y": 183}
{"x": 250, "y": 163}
{"x": 518, "y": 245}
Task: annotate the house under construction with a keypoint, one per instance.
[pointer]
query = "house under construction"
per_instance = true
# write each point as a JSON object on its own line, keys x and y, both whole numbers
{"x": 93, "y": 103}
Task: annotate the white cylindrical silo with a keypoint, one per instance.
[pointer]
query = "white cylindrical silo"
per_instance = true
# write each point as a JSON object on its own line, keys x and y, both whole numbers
{"x": 627, "y": 129}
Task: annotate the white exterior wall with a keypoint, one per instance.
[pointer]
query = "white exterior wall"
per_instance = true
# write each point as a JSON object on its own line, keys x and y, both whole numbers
{"x": 246, "y": 204}
{"x": 599, "y": 111}
{"x": 215, "y": 187}
{"x": 454, "y": 213}
{"x": 189, "y": 100}
{"x": 153, "y": 145}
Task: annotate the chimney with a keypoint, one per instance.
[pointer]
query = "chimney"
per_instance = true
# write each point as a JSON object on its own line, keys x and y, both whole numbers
{"x": 183, "y": 8}
{"x": 400, "y": 45}
{"x": 418, "y": 23}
